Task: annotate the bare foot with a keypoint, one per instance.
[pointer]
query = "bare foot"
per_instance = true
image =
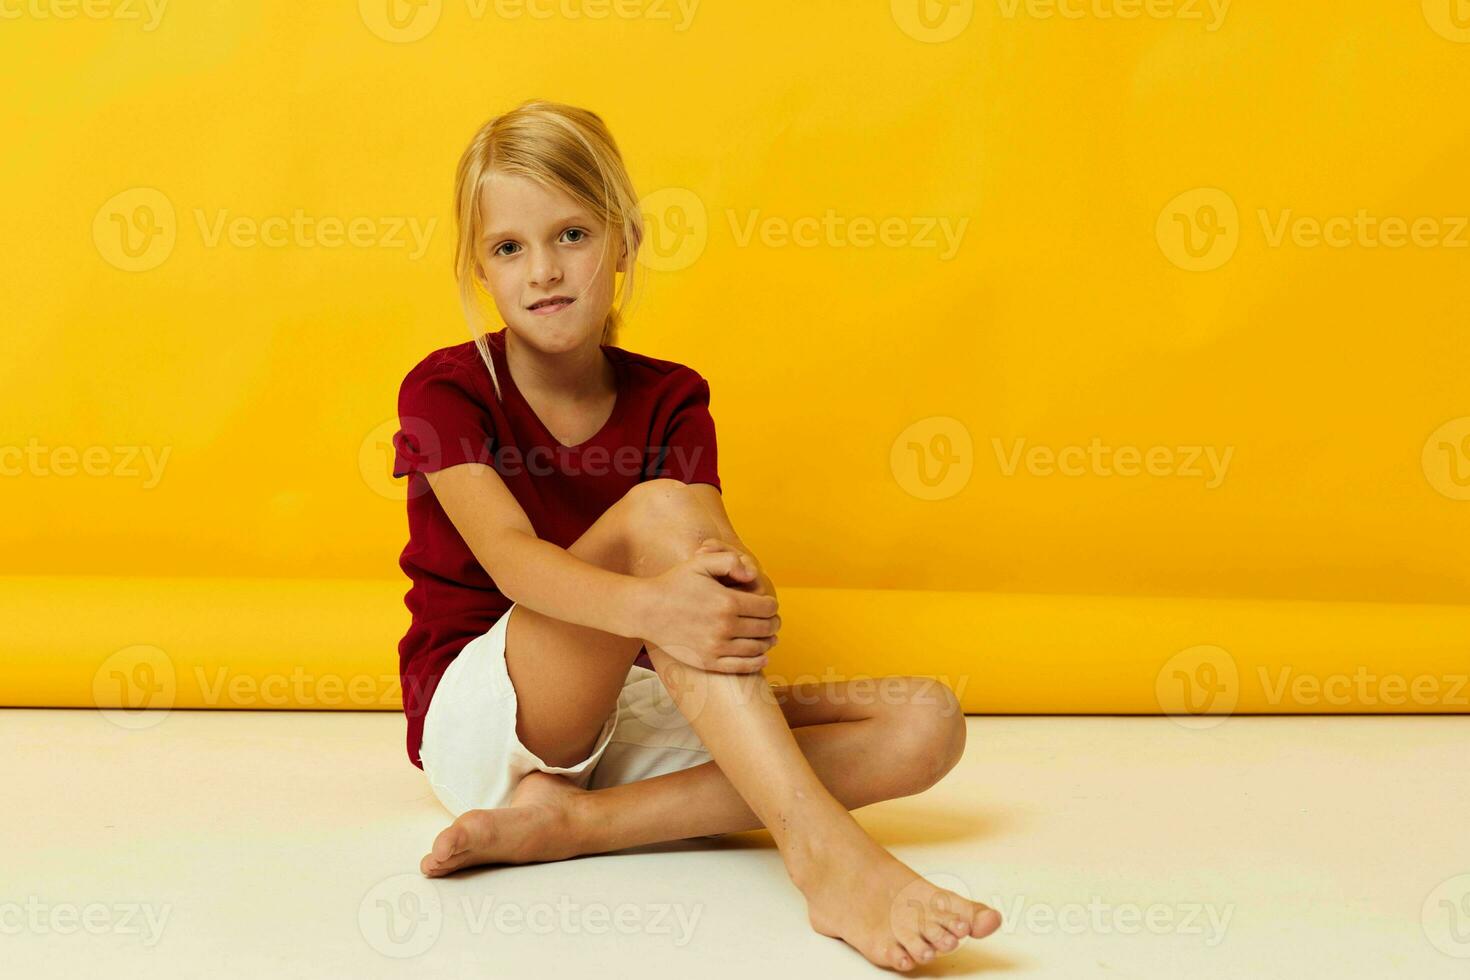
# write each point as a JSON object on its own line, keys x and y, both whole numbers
{"x": 537, "y": 826}
{"x": 857, "y": 892}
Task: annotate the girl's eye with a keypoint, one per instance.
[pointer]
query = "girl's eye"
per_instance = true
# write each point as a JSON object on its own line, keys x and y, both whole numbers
{"x": 581, "y": 235}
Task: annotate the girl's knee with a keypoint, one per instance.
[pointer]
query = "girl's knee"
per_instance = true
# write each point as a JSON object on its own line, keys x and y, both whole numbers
{"x": 655, "y": 501}
{"x": 661, "y": 514}
{"x": 930, "y": 726}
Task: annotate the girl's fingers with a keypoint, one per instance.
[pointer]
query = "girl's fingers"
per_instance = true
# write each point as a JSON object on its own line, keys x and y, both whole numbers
{"x": 756, "y": 604}
{"x": 715, "y": 545}
{"x": 740, "y": 665}
{"x": 718, "y": 563}
{"x": 750, "y": 647}
{"x": 757, "y": 627}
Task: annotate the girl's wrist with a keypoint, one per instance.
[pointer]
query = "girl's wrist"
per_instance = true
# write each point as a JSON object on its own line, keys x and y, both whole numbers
{"x": 637, "y": 604}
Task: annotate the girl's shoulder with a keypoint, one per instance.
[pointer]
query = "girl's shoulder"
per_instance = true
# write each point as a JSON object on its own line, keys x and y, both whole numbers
{"x": 453, "y": 374}
{"x": 656, "y": 369}
{"x": 446, "y": 359}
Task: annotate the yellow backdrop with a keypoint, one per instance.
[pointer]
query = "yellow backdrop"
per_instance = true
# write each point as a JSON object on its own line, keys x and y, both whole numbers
{"x": 1143, "y": 299}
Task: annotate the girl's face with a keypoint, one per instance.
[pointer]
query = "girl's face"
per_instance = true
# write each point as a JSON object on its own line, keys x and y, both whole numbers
{"x": 539, "y": 243}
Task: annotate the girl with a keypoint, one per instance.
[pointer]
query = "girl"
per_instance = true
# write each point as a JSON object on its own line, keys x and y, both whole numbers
{"x": 565, "y": 516}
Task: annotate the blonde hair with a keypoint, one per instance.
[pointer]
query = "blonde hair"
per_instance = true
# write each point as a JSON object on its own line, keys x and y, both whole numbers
{"x": 558, "y": 146}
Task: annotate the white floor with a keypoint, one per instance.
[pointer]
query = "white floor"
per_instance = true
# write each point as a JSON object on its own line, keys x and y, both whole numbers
{"x": 286, "y": 844}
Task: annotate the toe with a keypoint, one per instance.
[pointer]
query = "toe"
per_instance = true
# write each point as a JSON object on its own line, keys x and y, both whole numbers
{"x": 898, "y": 958}
{"x": 917, "y": 946}
{"x": 447, "y": 846}
{"x": 984, "y": 922}
{"x": 939, "y": 937}
{"x": 953, "y": 912}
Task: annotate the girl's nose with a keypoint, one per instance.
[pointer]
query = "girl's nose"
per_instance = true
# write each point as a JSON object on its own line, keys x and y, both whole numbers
{"x": 544, "y": 270}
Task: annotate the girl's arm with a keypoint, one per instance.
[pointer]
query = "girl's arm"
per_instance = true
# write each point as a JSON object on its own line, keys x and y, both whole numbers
{"x": 528, "y": 570}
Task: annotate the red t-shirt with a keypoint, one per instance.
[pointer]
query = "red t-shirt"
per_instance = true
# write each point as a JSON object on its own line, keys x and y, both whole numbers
{"x": 448, "y": 414}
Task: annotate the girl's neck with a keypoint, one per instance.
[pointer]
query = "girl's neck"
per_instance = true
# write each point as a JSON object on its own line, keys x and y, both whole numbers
{"x": 578, "y": 375}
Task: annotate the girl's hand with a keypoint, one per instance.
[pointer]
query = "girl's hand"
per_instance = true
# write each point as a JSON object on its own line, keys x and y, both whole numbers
{"x": 715, "y": 546}
{"x": 759, "y": 584}
{"x": 707, "y": 624}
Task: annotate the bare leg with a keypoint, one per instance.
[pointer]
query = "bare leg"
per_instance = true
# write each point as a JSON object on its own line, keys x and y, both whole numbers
{"x": 568, "y": 677}
{"x": 863, "y": 751}
{"x": 855, "y": 889}
{"x": 896, "y": 748}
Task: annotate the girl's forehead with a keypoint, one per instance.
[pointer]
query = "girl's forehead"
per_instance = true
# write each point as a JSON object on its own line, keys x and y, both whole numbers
{"x": 510, "y": 196}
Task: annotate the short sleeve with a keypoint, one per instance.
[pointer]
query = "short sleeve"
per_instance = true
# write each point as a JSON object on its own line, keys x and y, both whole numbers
{"x": 688, "y": 451}
{"x": 442, "y": 420}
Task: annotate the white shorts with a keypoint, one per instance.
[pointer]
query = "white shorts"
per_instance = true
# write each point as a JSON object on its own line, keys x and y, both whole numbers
{"x": 474, "y": 759}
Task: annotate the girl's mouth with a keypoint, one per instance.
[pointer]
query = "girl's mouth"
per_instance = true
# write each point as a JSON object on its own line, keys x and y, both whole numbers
{"x": 551, "y": 309}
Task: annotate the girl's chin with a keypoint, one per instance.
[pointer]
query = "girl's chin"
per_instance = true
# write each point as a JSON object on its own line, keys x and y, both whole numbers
{"x": 555, "y": 336}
